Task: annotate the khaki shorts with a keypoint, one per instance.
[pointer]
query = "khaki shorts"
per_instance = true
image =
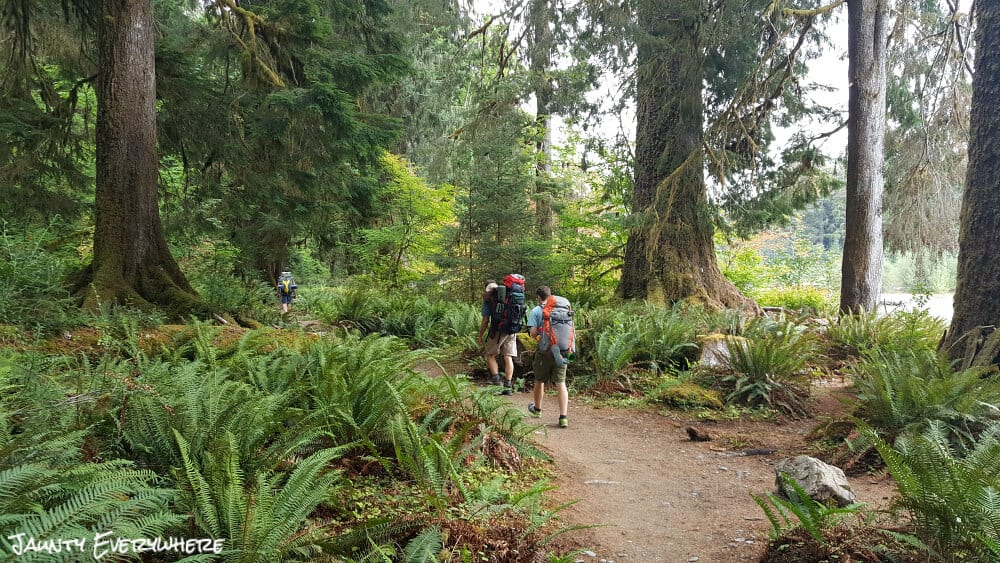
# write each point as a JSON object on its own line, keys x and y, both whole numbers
{"x": 545, "y": 368}
{"x": 502, "y": 344}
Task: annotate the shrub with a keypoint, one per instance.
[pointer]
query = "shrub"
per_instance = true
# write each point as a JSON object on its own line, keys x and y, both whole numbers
{"x": 766, "y": 366}
{"x": 809, "y": 299}
{"x": 461, "y": 324}
{"x": 34, "y": 280}
{"x": 901, "y": 392}
{"x": 900, "y": 330}
{"x": 953, "y": 501}
{"x": 614, "y": 348}
{"x": 615, "y": 338}
{"x": 812, "y": 516}
{"x": 668, "y": 338}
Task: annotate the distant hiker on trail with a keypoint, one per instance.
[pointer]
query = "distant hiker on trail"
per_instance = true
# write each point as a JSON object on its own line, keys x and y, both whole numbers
{"x": 551, "y": 322}
{"x": 287, "y": 290}
{"x": 503, "y": 312}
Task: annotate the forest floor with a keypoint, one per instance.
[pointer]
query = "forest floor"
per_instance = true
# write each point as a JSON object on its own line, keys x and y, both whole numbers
{"x": 654, "y": 495}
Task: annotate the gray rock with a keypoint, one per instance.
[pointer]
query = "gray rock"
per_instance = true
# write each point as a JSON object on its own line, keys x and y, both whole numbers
{"x": 820, "y": 481}
{"x": 714, "y": 352}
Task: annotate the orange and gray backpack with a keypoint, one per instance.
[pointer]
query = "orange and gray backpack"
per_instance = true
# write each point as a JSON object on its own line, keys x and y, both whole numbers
{"x": 558, "y": 331}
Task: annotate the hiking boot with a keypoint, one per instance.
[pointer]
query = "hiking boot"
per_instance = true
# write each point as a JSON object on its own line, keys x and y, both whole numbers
{"x": 507, "y": 391}
{"x": 534, "y": 411}
{"x": 563, "y": 422}
{"x": 495, "y": 379}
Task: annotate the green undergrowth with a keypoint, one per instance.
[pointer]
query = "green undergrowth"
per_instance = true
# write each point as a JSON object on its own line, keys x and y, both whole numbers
{"x": 323, "y": 439}
{"x": 287, "y": 445}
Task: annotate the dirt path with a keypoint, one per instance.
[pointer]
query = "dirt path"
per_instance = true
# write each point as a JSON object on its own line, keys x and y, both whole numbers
{"x": 657, "y": 496}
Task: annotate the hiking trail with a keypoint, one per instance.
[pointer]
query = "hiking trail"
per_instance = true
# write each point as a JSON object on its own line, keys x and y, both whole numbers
{"x": 657, "y": 496}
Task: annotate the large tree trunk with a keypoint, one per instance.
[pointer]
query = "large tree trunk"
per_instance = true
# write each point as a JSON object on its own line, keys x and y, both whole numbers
{"x": 540, "y": 54}
{"x": 671, "y": 255}
{"x": 861, "y": 274}
{"x": 977, "y": 294}
{"x": 132, "y": 264}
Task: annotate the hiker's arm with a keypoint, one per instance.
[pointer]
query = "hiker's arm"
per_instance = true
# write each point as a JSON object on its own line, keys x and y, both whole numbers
{"x": 533, "y": 331}
{"x": 482, "y": 328}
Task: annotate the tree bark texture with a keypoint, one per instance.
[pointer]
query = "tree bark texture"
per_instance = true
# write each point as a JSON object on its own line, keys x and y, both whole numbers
{"x": 132, "y": 263}
{"x": 977, "y": 293}
{"x": 670, "y": 256}
{"x": 541, "y": 49}
{"x": 861, "y": 273}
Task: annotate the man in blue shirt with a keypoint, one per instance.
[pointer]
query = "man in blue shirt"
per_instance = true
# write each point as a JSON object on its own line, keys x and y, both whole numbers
{"x": 496, "y": 343}
{"x": 544, "y": 365}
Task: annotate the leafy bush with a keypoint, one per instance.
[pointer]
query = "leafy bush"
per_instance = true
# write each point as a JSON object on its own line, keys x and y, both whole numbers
{"x": 900, "y": 392}
{"x": 766, "y": 367}
{"x": 668, "y": 338}
{"x": 255, "y": 300}
{"x": 812, "y": 516}
{"x": 744, "y": 267}
{"x": 646, "y": 335}
{"x": 209, "y": 267}
{"x": 200, "y": 403}
{"x": 900, "y": 330}
{"x": 241, "y": 431}
{"x": 36, "y": 293}
{"x": 414, "y": 318}
{"x": 461, "y": 323}
{"x": 46, "y": 502}
{"x": 355, "y": 308}
{"x": 953, "y": 501}
{"x": 260, "y": 513}
{"x": 614, "y": 348}
{"x": 804, "y": 298}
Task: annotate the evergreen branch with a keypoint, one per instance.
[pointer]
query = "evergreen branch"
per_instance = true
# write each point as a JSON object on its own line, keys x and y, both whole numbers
{"x": 812, "y": 12}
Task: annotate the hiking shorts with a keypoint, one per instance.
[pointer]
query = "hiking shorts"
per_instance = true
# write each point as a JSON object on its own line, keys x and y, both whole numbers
{"x": 545, "y": 368}
{"x": 286, "y": 298}
{"x": 502, "y": 344}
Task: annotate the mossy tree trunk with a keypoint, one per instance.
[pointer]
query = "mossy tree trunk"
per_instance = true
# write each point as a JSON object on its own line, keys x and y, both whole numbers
{"x": 670, "y": 255}
{"x": 132, "y": 264}
{"x": 977, "y": 293}
{"x": 861, "y": 271}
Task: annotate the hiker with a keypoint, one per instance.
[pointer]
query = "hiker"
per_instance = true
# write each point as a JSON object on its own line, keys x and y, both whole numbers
{"x": 287, "y": 290}
{"x": 551, "y": 323}
{"x": 498, "y": 341}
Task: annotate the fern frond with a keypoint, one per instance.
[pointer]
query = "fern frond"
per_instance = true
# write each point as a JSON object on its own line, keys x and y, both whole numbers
{"x": 424, "y": 548}
{"x": 205, "y": 512}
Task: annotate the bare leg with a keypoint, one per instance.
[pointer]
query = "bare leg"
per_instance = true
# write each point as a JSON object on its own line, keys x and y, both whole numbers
{"x": 508, "y": 367}
{"x": 563, "y": 398}
{"x": 537, "y": 393}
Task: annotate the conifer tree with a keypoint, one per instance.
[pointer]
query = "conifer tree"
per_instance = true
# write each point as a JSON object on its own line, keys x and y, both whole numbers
{"x": 746, "y": 74}
{"x": 861, "y": 280}
{"x": 977, "y": 294}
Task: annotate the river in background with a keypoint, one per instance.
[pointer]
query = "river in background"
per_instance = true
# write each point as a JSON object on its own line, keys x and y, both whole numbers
{"x": 938, "y": 305}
